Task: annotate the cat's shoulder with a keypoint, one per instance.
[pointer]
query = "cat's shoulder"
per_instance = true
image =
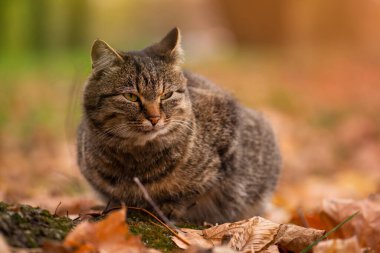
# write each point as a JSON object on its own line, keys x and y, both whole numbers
{"x": 210, "y": 101}
{"x": 200, "y": 86}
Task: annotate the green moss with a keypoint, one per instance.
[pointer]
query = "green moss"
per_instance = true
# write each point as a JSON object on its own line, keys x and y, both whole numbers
{"x": 191, "y": 226}
{"x": 153, "y": 234}
{"x": 26, "y": 226}
{"x": 3, "y": 206}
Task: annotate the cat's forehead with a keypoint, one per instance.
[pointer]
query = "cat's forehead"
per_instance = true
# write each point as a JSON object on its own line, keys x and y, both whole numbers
{"x": 149, "y": 77}
{"x": 145, "y": 76}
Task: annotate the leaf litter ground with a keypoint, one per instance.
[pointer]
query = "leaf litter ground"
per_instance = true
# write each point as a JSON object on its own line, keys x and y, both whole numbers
{"x": 112, "y": 233}
{"x": 328, "y": 128}
{"x": 24, "y": 226}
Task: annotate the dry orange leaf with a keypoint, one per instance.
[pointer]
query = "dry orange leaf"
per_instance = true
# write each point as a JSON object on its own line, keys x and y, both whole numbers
{"x": 252, "y": 235}
{"x": 366, "y": 225}
{"x": 110, "y": 235}
{"x": 4, "y": 248}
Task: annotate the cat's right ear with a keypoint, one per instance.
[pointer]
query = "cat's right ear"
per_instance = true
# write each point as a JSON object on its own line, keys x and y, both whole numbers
{"x": 169, "y": 48}
{"x": 103, "y": 56}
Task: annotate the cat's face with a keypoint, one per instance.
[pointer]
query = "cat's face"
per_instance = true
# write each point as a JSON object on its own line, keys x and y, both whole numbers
{"x": 138, "y": 95}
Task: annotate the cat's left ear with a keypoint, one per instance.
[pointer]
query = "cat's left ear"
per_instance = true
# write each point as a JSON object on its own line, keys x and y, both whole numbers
{"x": 169, "y": 48}
{"x": 103, "y": 56}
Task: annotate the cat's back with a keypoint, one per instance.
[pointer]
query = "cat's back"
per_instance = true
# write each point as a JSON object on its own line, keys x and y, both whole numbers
{"x": 241, "y": 138}
{"x": 198, "y": 85}
{"x": 209, "y": 100}
{"x": 227, "y": 125}
{"x": 216, "y": 112}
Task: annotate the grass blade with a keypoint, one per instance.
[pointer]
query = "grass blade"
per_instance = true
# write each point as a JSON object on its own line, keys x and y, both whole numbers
{"x": 329, "y": 233}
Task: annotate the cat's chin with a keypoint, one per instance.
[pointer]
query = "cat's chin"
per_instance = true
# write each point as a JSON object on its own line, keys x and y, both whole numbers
{"x": 149, "y": 135}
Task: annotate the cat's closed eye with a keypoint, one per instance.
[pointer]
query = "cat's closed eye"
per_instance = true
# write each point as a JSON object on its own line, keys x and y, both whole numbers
{"x": 167, "y": 95}
{"x": 131, "y": 97}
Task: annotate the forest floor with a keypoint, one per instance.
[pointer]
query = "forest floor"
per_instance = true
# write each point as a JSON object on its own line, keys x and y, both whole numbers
{"x": 324, "y": 112}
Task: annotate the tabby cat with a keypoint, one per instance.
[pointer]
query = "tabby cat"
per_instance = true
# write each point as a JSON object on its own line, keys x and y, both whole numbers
{"x": 201, "y": 155}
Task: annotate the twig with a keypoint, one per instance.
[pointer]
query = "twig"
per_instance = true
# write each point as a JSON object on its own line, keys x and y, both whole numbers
{"x": 151, "y": 202}
{"x": 156, "y": 218}
{"x": 156, "y": 224}
{"x": 167, "y": 223}
{"x": 56, "y": 209}
{"x": 107, "y": 206}
{"x": 110, "y": 207}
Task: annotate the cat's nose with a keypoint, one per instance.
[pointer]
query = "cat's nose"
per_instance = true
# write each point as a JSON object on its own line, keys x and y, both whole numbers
{"x": 154, "y": 119}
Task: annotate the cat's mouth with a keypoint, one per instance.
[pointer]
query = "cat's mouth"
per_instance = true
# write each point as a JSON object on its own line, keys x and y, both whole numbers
{"x": 151, "y": 129}
{"x": 148, "y": 130}
{"x": 149, "y": 133}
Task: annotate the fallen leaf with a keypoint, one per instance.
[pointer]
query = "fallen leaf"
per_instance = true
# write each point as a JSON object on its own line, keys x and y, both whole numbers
{"x": 311, "y": 219}
{"x": 110, "y": 235}
{"x": 4, "y": 248}
{"x": 356, "y": 131}
{"x": 65, "y": 205}
{"x": 195, "y": 237}
{"x": 366, "y": 226}
{"x": 295, "y": 238}
{"x": 55, "y": 247}
{"x": 253, "y": 235}
{"x": 350, "y": 245}
{"x": 271, "y": 249}
{"x": 219, "y": 249}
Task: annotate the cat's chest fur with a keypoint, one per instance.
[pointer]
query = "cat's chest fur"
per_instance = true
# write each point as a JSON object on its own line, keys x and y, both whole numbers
{"x": 150, "y": 162}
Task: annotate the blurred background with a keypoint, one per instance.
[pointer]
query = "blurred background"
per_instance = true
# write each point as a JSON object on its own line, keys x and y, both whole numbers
{"x": 313, "y": 67}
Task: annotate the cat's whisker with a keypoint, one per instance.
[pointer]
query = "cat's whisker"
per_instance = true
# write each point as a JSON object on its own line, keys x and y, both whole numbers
{"x": 117, "y": 129}
{"x": 186, "y": 127}
{"x": 185, "y": 124}
{"x": 182, "y": 122}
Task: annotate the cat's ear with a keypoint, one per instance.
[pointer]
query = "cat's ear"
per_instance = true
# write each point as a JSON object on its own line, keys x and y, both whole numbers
{"x": 103, "y": 56}
{"x": 169, "y": 48}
